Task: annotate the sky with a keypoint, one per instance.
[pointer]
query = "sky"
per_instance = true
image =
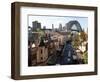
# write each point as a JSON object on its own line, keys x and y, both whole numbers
{"x": 56, "y": 20}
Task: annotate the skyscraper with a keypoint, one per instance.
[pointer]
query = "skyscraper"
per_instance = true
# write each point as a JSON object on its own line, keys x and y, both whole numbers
{"x": 53, "y": 27}
{"x": 36, "y": 25}
{"x": 60, "y": 27}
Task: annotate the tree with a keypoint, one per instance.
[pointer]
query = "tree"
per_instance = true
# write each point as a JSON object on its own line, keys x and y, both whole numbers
{"x": 83, "y": 36}
{"x": 76, "y": 41}
{"x": 41, "y": 33}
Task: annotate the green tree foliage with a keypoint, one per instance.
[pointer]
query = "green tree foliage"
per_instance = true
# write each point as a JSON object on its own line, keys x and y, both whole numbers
{"x": 77, "y": 41}
{"x": 41, "y": 33}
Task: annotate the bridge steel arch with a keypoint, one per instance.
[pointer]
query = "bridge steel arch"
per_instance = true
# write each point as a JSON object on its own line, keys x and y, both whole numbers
{"x": 74, "y": 22}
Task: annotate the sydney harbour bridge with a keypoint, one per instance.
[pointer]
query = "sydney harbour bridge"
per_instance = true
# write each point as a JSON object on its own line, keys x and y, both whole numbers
{"x": 76, "y": 23}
